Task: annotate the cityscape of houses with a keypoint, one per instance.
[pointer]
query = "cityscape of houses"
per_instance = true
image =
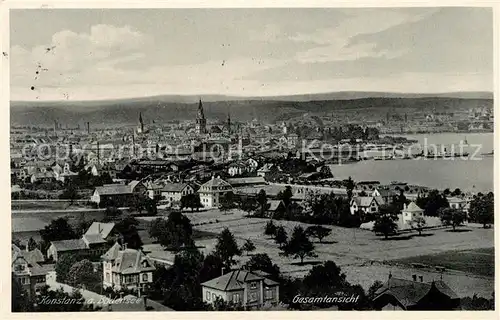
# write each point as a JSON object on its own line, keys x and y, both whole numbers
{"x": 260, "y": 181}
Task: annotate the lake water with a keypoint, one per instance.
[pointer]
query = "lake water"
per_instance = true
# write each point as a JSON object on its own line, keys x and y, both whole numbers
{"x": 466, "y": 174}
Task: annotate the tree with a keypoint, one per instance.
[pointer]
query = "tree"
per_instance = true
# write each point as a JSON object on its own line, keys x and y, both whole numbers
{"x": 482, "y": 209}
{"x": 63, "y": 266}
{"x": 451, "y": 217}
{"x": 286, "y": 196}
{"x": 70, "y": 193}
{"x": 82, "y": 273}
{"x": 191, "y": 201}
{"x": 156, "y": 228}
{"x": 175, "y": 233}
{"x": 181, "y": 283}
{"x": 262, "y": 262}
{"x": 373, "y": 289}
{"x": 58, "y": 229}
{"x": 111, "y": 213}
{"x": 82, "y": 225}
{"x": 127, "y": 228}
{"x": 270, "y": 229}
{"x": 280, "y": 237}
{"x": 386, "y": 224}
{"x": 432, "y": 203}
{"x": 457, "y": 192}
{"x": 326, "y": 279}
{"x": 248, "y": 246}
{"x": 350, "y": 187}
{"x": 262, "y": 203}
{"x": 418, "y": 224}
{"x": 226, "y": 247}
{"x": 32, "y": 245}
{"x": 318, "y": 231}
{"x": 20, "y": 300}
{"x": 299, "y": 245}
{"x": 249, "y": 205}
{"x": 227, "y": 201}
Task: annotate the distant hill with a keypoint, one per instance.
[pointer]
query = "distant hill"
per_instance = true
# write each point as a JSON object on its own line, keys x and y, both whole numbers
{"x": 268, "y": 109}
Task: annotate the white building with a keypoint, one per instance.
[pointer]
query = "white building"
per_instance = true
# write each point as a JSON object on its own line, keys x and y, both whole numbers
{"x": 411, "y": 212}
{"x": 212, "y": 191}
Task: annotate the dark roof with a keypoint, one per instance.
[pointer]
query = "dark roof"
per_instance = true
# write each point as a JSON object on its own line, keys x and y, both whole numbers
{"x": 69, "y": 245}
{"x": 408, "y": 293}
{"x": 235, "y": 280}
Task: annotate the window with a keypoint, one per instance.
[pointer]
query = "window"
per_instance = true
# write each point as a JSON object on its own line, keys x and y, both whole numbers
{"x": 253, "y": 285}
{"x": 236, "y": 298}
{"x": 144, "y": 277}
{"x": 269, "y": 294}
{"x": 208, "y": 296}
{"x": 374, "y": 209}
{"x": 214, "y": 297}
{"x": 253, "y": 297}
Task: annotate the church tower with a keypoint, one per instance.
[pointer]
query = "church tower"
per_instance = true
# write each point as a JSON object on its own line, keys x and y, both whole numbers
{"x": 140, "y": 127}
{"x": 201, "y": 122}
{"x": 228, "y": 123}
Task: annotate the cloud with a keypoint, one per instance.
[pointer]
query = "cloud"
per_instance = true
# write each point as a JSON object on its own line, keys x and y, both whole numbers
{"x": 71, "y": 54}
{"x": 335, "y": 43}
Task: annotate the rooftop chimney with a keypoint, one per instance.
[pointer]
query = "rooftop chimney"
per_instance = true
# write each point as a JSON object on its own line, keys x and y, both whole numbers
{"x": 222, "y": 271}
{"x": 124, "y": 246}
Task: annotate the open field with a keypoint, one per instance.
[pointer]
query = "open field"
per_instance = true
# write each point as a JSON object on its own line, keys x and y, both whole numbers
{"x": 47, "y": 204}
{"x": 365, "y": 257}
{"x": 478, "y": 261}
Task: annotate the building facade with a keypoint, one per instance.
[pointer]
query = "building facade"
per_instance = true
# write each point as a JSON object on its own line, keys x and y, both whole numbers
{"x": 249, "y": 289}
{"x": 212, "y": 191}
{"x": 126, "y": 268}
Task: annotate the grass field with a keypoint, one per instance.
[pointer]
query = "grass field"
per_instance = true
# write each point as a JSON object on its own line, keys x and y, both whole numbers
{"x": 475, "y": 261}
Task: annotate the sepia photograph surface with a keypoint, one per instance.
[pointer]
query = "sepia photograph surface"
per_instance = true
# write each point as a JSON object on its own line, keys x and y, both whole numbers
{"x": 251, "y": 159}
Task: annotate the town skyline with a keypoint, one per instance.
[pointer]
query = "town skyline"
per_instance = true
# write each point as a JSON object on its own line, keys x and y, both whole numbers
{"x": 116, "y": 54}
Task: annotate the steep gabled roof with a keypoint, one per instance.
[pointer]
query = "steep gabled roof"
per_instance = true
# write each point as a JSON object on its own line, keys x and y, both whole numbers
{"x": 412, "y": 207}
{"x": 101, "y": 228}
{"x": 112, "y": 253}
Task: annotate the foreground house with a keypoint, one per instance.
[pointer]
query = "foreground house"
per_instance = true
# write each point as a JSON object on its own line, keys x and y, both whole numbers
{"x": 27, "y": 270}
{"x": 212, "y": 191}
{"x": 247, "y": 288}
{"x": 400, "y": 294}
{"x": 92, "y": 244}
{"x": 126, "y": 268}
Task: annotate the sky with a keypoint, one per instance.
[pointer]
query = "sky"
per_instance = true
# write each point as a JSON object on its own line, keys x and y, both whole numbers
{"x": 94, "y": 54}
